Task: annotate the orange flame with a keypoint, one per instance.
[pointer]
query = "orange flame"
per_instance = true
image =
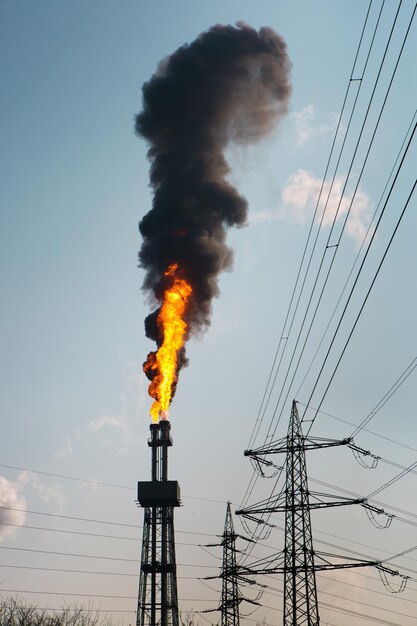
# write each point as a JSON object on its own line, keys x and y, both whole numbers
{"x": 162, "y": 366}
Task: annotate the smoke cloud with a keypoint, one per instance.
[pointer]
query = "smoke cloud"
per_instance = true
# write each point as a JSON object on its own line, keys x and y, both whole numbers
{"x": 229, "y": 85}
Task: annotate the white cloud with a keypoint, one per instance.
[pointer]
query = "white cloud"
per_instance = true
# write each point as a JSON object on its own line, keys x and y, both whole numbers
{"x": 50, "y": 494}
{"x": 299, "y": 198}
{"x": 92, "y": 485}
{"x": 307, "y": 130}
{"x": 107, "y": 420}
{"x": 66, "y": 451}
{"x": 11, "y": 500}
{"x": 115, "y": 430}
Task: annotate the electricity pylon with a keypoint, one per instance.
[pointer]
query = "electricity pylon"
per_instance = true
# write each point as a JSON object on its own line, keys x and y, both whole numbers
{"x": 230, "y": 575}
{"x": 300, "y": 590}
{"x": 300, "y": 562}
{"x": 230, "y": 590}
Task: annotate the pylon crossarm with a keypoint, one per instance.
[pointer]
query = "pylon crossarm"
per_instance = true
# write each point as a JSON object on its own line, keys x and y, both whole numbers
{"x": 232, "y": 539}
{"x": 317, "y": 567}
{"x": 241, "y": 578}
{"x": 323, "y": 560}
{"x": 353, "y": 562}
{"x": 265, "y": 564}
{"x": 248, "y": 539}
{"x": 246, "y": 580}
{"x": 269, "y": 505}
{"x": 253, "y": 602}
{"x": 322, "y": 563}
{"x": 226, "y": 607}
{"x": 317, "y": 443}
{"x": 219, "y": 608}
{"x": 305, "y": 443}
{"x": 331, "y": 566}
{"x": 234, "y": 573}
{"x": 320, "y": 500}
{"x": 250, "y": 514}
{"x": 271, "y": 448}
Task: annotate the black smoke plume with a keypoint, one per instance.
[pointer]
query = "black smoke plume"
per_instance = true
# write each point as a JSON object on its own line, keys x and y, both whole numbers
{"x": 229, "y": 85}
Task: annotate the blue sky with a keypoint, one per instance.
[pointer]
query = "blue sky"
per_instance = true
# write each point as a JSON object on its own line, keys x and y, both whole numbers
{"x": 73, "y": 397}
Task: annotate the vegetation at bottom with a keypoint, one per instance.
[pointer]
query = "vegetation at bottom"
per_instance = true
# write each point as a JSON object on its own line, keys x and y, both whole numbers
{"x": 15, "y": 612}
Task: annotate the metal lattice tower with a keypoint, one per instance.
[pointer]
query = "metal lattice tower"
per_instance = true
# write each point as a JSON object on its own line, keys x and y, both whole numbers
{"x": 300, "y": 590}
{"x": 231, "y": 575}
{"x": 158, "y": 597}
{"x": 299, "y": 561}
{"x": 230, "y": 590}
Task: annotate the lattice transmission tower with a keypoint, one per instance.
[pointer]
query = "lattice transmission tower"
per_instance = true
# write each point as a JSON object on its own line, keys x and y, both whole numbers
{"x": 158, "y": 596}
{"x": 299, "y": 562}
{"x": 230, "y": 588}
{"x": 230, "y": 575}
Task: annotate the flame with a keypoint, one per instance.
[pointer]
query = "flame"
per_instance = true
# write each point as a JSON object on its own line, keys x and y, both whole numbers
{"x": 161, "y": 367}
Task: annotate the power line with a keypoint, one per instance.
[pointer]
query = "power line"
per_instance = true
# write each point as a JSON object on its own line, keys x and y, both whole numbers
{"x": 70, "y": 517}
{"x": 120, "y": 597}
{"x": 406, "y": 471}
{"x": 253, "y": 480}
{"x": 84, "y": 610}
{"x": 69, "y": 532}
{"x": 350, "y": 493}
{"x": 86, "y": 534}
{"x": 333, "y": 178}
{"x": 92, "y": 556}
{"x": 100, "y": 483}
{"x": 386, "y": 506}
{"x": 95, "y": 521}
{"x": 388, "y": 395}
{"x": 384, "y": 207}
{"x": 339, "y": 597}
{"x": 403, "y": 553}
{"x": 357, "y": 257}
{"x": 262, "y": 408}
{"x": 279, "y": 594}
{"x": 379, "y": 593}
{"x": 370, "y": 243}
{"x": 76, "y": 478}
{"x": 328, "y": 485}
{"x": 336, "y": 246}
{"x": 371, "y": 432}
{"x": 67, "y": 571}
{"x": 76, "y": 571}
{"x": 83, "y": 556}
{"x": 354, "y": 494}
{"x": 367, "y": 294}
